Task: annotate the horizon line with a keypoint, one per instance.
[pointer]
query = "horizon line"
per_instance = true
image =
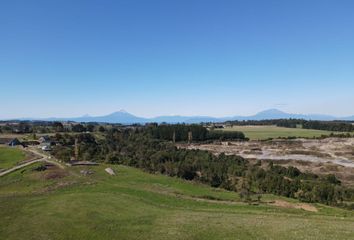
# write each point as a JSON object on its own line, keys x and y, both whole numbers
{"x": 172, "y": 115}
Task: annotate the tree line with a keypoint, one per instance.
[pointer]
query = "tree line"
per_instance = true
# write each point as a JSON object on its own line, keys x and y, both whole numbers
{"x": 193, "y": 132}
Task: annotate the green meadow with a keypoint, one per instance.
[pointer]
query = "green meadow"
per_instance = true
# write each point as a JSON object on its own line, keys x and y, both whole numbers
{"x": 271, "y": 131}
{"x": 9, "y": 157}
{"x": 65, "y": 204}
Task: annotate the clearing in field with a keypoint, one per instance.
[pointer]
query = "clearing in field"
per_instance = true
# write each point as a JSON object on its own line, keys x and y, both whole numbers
{"x": 272, "y": 131}
{"x": 48, "y": 204}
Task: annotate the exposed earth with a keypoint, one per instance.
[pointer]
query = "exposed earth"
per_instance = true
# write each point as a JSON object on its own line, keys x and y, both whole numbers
{"x": 330, "y": 155}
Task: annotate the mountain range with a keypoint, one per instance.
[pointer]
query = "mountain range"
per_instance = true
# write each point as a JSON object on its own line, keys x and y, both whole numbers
{"x": 124, "y": 117}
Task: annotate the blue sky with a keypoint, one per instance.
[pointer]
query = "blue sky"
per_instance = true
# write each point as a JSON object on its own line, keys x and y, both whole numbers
{"x": 218, "y": 58}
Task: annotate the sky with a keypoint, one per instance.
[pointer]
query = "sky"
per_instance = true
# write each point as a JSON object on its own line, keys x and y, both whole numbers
{"x": 66, "y": 58}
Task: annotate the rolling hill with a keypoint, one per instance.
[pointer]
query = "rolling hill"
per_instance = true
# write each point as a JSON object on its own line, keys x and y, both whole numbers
{"x": 65, "y": 204}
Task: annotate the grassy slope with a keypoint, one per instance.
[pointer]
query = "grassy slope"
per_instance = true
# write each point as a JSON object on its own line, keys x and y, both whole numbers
{"x": 264, "y": 132}
{"x": 137, "y": 205}
{"x": 10, "y": 156}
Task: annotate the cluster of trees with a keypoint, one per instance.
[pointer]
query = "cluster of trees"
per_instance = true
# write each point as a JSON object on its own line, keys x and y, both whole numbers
{"x": 182, "y": 132}
{"x": 89, "y": 149}
{"x": 289, "y": 123}
{"x": 291, "y": 182}
{"x": 329, "y": 126}
{"x": 139, "y": 148}
{"x": 49, "y": 127}
{"x": 17, "y": 127}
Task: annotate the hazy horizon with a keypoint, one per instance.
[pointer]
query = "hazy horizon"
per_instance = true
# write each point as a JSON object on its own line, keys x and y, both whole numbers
{"x": 190, "y": 58}
{"x": 171, "y": 115}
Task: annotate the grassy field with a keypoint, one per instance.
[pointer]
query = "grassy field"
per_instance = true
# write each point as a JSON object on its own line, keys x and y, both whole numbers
{"x": 264, "y": 132}
{"x": 64, "y": 204}
{"x": 10, "y": 157}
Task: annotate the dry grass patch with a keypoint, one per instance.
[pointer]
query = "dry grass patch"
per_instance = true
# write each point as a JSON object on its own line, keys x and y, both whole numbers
{"x": 303, "y": 206}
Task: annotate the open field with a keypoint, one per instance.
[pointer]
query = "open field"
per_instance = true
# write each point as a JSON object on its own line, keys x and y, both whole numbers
{"x": 65, "y": 204}
{"x": 9, "y": 157}
{"x": 265, "y": 132}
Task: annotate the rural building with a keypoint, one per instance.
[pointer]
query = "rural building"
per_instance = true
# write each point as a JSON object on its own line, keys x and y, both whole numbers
{"x": 46, "y": 148}
{"x": 44, "y": 139}
{"x": 15, "y": 142}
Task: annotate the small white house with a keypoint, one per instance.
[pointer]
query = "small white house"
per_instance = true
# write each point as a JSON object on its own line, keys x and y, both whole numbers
{"x": 46, "y": 148}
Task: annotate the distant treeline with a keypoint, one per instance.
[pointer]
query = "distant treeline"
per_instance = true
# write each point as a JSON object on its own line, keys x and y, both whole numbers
{"x": 338, "y": 126}
{"x": 138, "y": 148}
{"x": 181, "y": 132}
{"x": 329, "y": 126}
{"x": 164, "y": 130}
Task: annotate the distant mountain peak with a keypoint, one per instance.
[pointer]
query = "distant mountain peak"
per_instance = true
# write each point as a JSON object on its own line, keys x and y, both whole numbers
{"x": 120, "y": 113}
{"x": 271, "y": 111}
{"x": 271, "y": 114}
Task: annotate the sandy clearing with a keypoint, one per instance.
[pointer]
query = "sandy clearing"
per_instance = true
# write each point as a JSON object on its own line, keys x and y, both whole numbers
{"x": 303, "y": 206}
{"x": 338, "y": 151}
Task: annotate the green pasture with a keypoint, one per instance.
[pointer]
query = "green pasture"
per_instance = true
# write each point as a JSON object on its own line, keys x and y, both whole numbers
{"x": 9, "y": 157}
{"x": 271, "y": 131}
{"x": 137, "y": 205}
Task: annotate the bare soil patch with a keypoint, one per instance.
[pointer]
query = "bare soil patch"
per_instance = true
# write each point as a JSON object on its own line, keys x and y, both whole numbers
{"x": 333, "y": 150}
{"x": 303, "y": 206}
{"x": 320, "y": 156}
{"x": 54, "y": 172}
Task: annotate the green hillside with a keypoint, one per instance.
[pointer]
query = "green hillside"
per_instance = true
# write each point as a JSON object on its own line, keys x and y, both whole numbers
{"x": 65, "y": 204}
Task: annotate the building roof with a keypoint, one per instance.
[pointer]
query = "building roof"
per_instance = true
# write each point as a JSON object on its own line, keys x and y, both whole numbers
{"x": 44, "y": 139}
{"x": 14, "y": 142}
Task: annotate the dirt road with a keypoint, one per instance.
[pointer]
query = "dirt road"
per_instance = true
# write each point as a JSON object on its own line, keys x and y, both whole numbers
{"x": 44, "y": 158}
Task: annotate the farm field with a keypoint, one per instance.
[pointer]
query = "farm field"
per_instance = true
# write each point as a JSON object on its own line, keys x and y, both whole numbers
{"x": 271, "y": 131}
{"x": 65, "y": 204}
{"x": 10, "y": 157}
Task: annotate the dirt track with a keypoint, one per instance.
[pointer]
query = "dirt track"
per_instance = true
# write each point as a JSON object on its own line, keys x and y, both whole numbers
{"x": 44, "y": 158}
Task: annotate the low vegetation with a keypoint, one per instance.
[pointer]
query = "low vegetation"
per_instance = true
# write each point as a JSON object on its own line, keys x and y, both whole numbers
{"x": 137, "y": 205}
{"x": 264, "y": 132}
{"x": 9, "y": 157}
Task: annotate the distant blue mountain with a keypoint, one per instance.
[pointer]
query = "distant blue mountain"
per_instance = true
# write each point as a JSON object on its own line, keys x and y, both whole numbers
{"x": 277, "y": 114}
{"x": 169, "y": 119}
{"x": 350, "y": 118}
{"x": 124, "y": 117}
{"x": 121, "y": 116}
{"x": 116, "y": 117}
